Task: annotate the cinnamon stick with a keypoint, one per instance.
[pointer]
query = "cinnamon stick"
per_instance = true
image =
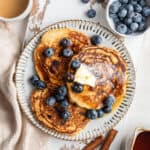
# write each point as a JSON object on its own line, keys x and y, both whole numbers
{"x": 92, "y": 145}
{"x": 109, "y": 139}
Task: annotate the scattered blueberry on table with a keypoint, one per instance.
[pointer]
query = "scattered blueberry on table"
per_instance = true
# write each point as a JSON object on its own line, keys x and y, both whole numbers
{"x": 129, "y": 16}
{"x": 85, "y": 1}
{"x": 91, "y": 13}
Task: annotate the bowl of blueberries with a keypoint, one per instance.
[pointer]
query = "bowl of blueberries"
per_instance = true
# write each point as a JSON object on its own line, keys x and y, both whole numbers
{"x": 128, "y": 17}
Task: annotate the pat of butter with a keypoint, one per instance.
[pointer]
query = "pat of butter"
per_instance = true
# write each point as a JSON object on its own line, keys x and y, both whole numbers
{"x": 84, "y": 76}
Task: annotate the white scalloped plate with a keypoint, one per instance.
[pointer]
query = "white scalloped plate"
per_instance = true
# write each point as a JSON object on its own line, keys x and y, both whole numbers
{"x": 25, "y": 69}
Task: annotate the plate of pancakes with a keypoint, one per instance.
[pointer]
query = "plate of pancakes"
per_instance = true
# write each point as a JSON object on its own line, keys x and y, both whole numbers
{"x": 75, "y": 80}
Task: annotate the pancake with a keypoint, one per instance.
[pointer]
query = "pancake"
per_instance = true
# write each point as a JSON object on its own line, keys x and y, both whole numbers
{"x": 53, "y": 69}
{"x": 49, "y": 116}
{"x": 110, "y": 72}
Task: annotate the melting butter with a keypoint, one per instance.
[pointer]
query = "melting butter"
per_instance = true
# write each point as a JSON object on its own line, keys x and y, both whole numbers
{"x": 84, "y": 76}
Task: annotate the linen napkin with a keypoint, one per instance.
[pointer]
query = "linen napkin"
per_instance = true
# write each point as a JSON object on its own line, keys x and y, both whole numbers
{"x": 16, "y": 133}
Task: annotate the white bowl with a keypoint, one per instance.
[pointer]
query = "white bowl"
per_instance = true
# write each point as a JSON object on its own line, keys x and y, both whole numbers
{"x": 24, "y": 14}
{"x": 112, "y": 25}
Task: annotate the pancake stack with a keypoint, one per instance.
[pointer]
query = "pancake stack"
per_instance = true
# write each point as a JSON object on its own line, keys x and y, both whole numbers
{"x": 105, "y": 65}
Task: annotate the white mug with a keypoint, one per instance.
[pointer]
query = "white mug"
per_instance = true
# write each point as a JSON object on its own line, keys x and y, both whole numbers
{"x": 21, "y": 16}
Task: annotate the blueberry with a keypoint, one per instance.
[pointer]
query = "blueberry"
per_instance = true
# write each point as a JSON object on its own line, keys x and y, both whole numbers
{"x": 107, "y": 109}
{"x": 114, "y": 7}
{"x": 129, "y": 31}
{"x": 134, "y": 26}
{"x": 67, "y": 52}
{"x": 116, "y": 20}
{"x": 100, "y": 113}
{"x": 124, "y": 1}
{"x": 77, "y": 87}
{"x": 75, "y": 64}
{"x": 85, "y": 1}
{"x": 100, "y": 1}
{"x": 142, "y": 26}
{"x": 130, "y": 15}
{"x": 40, "y": 85}
{"x": 65, "y": 114}
{"x": 122, "y": 13}
{"x": 137, "y": 17}
{"x": 62, "y": 91}
{"x": 64, "y": 103}
{"x": 49, "y": 52}
{"x": 96, "y": 39}
{"x": 91, "y": 13}
{"x": 122, "y": 7}
{"x": 121, "y": 28}
{"x": 69, "y": 77}
{"x": 34, "y": 79}
{"x": 133, "y": 2}
{"x": 114, "y": 17}
{"x": 65, "y": 42}
{"x": 143, "y": 18}
{"x": 129, "y": 8}
{"x": 51, "y": 101}
{"x": 142, "y": 2}
{"x": 59, "y": 97}
{"x": 91, "y": 114}
{"x": 111, "y": 15}
{"x": 137, "y": 8}
{"x": 146, "y": 11}
{"x": 109, "y": 101}
{"x": 128, "y": 21}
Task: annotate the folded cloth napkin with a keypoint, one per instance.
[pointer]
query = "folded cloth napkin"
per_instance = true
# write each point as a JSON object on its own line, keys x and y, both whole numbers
{"x": 16, "y": 133}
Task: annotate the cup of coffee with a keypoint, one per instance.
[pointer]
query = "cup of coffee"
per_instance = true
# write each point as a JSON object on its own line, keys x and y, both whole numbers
{"x": 14, "y": 10}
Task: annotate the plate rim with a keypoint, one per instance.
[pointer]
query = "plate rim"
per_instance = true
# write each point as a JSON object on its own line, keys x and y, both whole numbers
{"x": 64, "y": 136}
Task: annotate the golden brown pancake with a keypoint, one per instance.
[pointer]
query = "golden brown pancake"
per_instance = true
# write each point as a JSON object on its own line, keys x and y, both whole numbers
{"x": 105, "y": 64}
{"x": 109, "y": 69}
{"x": 53, "y": 69}
{"x": 49, "y": 116}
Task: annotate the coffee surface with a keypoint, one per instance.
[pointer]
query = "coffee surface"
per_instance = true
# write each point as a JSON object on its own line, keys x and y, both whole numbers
{"x": 12, "y": 8}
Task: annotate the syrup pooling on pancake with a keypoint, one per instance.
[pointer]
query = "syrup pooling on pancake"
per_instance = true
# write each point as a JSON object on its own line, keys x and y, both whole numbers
{"x": 53, "y": 69}
{"x": 109, "y": 70}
